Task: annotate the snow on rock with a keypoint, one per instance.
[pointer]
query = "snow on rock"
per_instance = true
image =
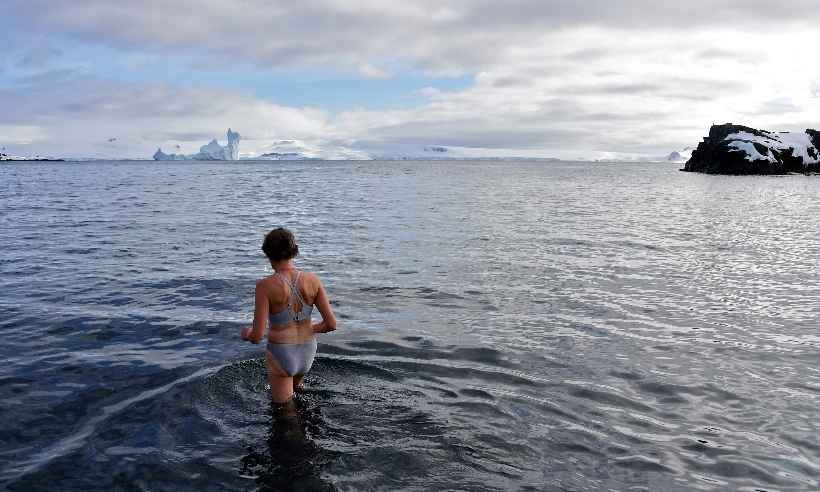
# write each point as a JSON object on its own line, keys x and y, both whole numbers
{"x": 799, "y": 143}
{"x": 736, "y": 149}
{"x": 211, "y": 151}
{"x": 752, "y": 154}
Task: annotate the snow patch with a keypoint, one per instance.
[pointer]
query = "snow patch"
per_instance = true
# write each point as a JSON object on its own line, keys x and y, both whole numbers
{"x": 783, "y": 141}
{"x": 751, "y": 152}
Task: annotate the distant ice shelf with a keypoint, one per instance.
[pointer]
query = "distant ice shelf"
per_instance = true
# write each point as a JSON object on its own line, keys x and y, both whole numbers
{"x": 9, "y": 157}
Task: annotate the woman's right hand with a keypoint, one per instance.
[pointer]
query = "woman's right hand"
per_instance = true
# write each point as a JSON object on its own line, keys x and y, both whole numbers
{"x": 322, "y": 302}
{"x": 322, "y": 327}
{"x": 246, "y": 333}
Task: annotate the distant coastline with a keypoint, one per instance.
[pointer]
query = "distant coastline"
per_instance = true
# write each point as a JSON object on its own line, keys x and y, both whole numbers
{"x": 372, "y": 159}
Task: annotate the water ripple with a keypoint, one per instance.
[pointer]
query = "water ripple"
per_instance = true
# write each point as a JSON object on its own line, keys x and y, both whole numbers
{"x": 528, "y": 326}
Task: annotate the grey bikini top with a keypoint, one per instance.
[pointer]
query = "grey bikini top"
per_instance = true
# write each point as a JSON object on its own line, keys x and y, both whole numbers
{"x": 290, "y": 314}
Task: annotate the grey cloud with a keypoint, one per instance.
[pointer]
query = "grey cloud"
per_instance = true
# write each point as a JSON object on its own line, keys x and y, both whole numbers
{"x": 623, "y": 88}
{"x": 559, "y": 123}
{"x": 566, "y": 110}
{"x": 722, "y": 55}
{"x": 777, "y": 106}
{"x": 38, "y": 57}
{"x": 706, "y": 84}
{"x": 328, "y": 31}
{"x": 178, "y": 136}
{"x": 689, "y": 89}
{"x": 471, "y": 135}
{"x": 700, "y": 89}
{"x": 790, "y": 125}
{"x": 511, "y": 81}
{"x": 717, "y": 54}
{"x": 637, "y": 13}
{"x": 587, "y": 54}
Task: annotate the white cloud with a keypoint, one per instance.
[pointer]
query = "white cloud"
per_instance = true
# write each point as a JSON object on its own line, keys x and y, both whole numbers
{"x": 368, "y": 71}
{"x": 446, "y": 35}
{"x": 642, "y": 95}
{"x": 21, "y": 134}
{"x": 550, "y": 77}
{"x": 75, "y": 115}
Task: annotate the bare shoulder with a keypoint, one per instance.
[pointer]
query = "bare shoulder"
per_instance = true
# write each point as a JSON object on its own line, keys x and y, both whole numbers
{"x": 312, "y": 281}
{"x": 268, "y": 284}
{"x": 310, "y": 276}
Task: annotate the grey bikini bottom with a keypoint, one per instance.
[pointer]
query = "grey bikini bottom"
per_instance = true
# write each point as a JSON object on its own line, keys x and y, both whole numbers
{"x": 294, "y": 358}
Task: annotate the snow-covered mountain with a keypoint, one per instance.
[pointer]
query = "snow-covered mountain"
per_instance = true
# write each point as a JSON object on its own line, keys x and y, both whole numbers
{"x": 295, "y": 150}
{"x": 421, "y": 152}
{"x": 211, "y": 151}
{"x": 288, "y": 150}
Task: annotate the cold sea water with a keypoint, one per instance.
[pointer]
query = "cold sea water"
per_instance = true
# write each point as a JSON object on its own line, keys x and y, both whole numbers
{"x": 503, "y": 326}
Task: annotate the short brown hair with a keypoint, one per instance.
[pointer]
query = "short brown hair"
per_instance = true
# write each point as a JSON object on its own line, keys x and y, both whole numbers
{"x": 280, "y": 245}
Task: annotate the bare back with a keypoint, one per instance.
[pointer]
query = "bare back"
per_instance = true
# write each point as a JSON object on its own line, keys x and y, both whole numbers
{"x": 272, "y": 297}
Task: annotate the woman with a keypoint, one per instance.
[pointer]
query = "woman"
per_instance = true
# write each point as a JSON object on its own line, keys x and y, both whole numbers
{"x": 286, "y": 299}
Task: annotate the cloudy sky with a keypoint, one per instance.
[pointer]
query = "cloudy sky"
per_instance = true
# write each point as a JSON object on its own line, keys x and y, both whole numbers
{"x": 344, "y": 78}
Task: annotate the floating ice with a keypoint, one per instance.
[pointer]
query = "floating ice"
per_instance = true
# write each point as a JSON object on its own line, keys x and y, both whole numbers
{"x": 211, "y": 151}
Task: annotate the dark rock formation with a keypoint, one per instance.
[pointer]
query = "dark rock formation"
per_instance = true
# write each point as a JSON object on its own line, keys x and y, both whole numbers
{"x": 737, "y": 149}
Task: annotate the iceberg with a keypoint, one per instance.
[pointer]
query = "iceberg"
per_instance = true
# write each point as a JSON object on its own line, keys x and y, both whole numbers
{"x": 680, "y": 155}
{"x": 211, "y": 151}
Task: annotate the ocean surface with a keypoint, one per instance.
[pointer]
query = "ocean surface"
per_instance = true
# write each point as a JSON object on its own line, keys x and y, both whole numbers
{"x": 503, "y": 326}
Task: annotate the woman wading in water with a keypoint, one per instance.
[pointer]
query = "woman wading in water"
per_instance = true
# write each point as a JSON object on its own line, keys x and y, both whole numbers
{"x": 286, "y": 300}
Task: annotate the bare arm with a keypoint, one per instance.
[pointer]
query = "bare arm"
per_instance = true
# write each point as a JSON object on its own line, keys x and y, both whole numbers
{"x": 322, "y": 302}
{"x": 256, "y": 332}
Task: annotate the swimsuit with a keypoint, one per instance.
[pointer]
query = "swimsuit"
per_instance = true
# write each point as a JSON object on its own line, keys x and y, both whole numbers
{"x": 294, "y": 358}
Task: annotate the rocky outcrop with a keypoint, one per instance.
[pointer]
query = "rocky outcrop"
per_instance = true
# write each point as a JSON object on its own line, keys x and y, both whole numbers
{"x": 737, "y": 149}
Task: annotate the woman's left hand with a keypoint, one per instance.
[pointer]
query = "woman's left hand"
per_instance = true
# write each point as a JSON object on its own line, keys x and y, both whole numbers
{"x": 246, "y": 332}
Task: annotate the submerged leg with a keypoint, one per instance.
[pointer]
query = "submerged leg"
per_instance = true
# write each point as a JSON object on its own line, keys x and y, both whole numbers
{"x": 298, "y": 384}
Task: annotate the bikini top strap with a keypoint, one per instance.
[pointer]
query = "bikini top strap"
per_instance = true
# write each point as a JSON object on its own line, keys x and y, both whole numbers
{"x": 294, "y": 287}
